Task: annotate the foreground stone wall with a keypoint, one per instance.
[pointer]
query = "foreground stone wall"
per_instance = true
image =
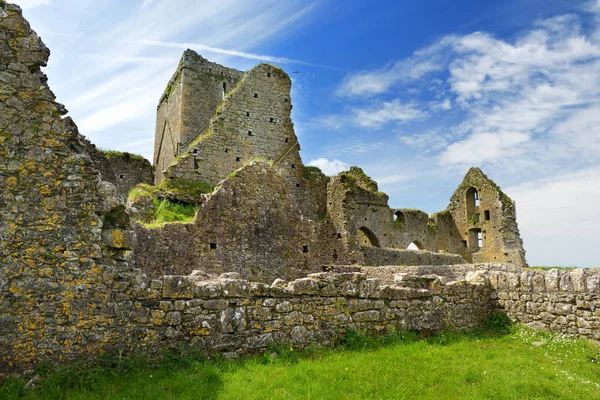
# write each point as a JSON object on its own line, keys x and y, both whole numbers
{"x": 564, "y": 301}
{"x": 64, "y": 237}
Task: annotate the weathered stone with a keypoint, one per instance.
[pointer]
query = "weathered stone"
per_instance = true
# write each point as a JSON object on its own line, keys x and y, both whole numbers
{"x": 304, "y": 286}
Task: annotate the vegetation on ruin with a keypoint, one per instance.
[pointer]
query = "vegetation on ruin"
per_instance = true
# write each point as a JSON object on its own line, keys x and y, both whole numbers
{"x": 500, "y": 362}
{"x": 309, "y": 170}
{"x": 177, "y": 188}
{"x": 544, "y": 268}
{"x": 114, "y": 153}
{"x": 169, "y": 211}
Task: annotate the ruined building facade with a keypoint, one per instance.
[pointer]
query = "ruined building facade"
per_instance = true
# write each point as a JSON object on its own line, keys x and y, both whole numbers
{"x": 233, "y": 131}
{"x": 275, "y": 252}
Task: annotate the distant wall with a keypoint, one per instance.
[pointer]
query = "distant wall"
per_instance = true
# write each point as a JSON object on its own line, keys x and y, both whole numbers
{"x": 251, "y": 224}
{"x": 376, "y": 256}
{"x": 129, "y": 171}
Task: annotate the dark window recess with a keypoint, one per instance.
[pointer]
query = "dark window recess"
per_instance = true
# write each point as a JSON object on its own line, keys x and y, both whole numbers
{"x": 339, "y": 235}
{"x": 226, "y": 150}
{"x": 247, "y": 113}
{"x": 286, "y": 140}
{"x": 255, "y": 95}
{"x": 305, "y": 249}
{"x": 195, "y": 151}
{"x": 213, "y": 246}
{"x": 224, "y": 87}
{"x": 463, "y": 243}
{"x": 238, "y": 159}
{"x": 285, "y": 100}
{"x": 250, "y": 133}
{"x": 122, "y": 176}
{"x": 297, "y": 185}
{"x": 486, "y": 215}
{"x": 196, "y": 164}
{"x": 272, "y": 120}
{"x": 293, "y": 166}
{"x": 210, "y": 70}
{"x": 268, "y": 74}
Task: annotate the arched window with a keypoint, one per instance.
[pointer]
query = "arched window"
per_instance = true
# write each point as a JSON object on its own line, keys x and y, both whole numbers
{"x": 366, "y": 237}
{"x": 472, "y": 199}
{"x": 400, "y": 218}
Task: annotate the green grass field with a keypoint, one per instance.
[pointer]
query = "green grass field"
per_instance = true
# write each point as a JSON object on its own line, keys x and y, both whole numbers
{"x": 518, "y": 364}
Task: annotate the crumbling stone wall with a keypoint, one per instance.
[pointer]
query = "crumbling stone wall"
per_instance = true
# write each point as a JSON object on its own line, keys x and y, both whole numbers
{"x": 251, "y": 224}
{"x": 479, "y": 207}
{"x": 64, "y": 238}
{"x": 129, "y": 170}
{"x": 362, "y": 213}
{"x": 377, "y": 257}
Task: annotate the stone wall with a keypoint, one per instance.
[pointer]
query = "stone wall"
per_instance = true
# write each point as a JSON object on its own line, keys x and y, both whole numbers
{"x": 377, "y": 257}
{"x": 251, "y": 224}
{"x": 129, "y": 170}
{"x": 565, "y": 301}
{"x": 64, "y": 235}
{"x": 361, "y": 212}
{"x": 479, "y": 207}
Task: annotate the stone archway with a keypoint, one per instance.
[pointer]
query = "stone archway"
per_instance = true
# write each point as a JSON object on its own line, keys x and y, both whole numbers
{"x": 366, "y": 237}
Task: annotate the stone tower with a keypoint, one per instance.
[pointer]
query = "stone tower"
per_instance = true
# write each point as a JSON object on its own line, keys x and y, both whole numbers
{"x": 213, "y": 120}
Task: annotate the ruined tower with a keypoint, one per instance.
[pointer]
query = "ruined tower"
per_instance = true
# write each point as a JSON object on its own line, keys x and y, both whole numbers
{"x": 212, "y": 120}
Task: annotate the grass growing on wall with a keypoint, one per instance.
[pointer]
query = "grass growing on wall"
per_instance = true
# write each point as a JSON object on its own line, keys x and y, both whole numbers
{"x": 169, "y": 211}
{"x": 501, "y": 363}
{"x": 114, "y": 153}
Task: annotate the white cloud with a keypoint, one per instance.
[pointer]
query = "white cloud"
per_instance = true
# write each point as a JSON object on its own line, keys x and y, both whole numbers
{"x": 26, "y": 4}
{"x": 559, "y": 218}
{"x": 380, "y": 114}
{"x": 420, "y": 64}
{"x": 375, "y": 115}
{"x": 329, "y": 167}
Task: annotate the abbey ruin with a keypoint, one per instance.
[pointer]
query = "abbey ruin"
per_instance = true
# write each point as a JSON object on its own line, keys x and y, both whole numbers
{"x": 274, "y": 251}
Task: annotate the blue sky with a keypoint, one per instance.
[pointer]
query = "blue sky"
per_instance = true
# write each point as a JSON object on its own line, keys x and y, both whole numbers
{"x": 414, "y": 92}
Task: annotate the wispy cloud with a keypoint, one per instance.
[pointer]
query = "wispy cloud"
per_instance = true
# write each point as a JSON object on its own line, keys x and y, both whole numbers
{"x": 375, "y": 115}
{"x": 26, "y": 4}
{"x": 202, "y": 48}
{"x": 329, "y": 167}
{"x": 421, "y": 64}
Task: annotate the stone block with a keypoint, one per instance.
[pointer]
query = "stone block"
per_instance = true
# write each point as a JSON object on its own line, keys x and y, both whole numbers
{"x": 235, "y": 288}
{"x": 578, "y": 278}
{"x": 303, "y": 286}
{"x": 216, "y": 304}
{"x": 208, "y": 289}
{"x": 369, "y": 288}
{"x": 119, "y": 238}
{"x": 178, "y": 287}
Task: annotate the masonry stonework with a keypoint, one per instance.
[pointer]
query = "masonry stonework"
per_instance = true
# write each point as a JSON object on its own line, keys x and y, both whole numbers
{"x": 276, "y": 252}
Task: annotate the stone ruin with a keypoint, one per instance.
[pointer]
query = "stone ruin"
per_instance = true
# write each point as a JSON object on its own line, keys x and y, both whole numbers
{"x": 276, "y": 251}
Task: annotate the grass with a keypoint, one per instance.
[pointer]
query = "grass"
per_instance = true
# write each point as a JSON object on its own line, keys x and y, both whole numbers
{"x": 169, "y": 211}
{"x": 175, "y": 187}
{"x": 518, "y": 363}
{"x": 544, "y": 268}
{"x": 114, "y": 153}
